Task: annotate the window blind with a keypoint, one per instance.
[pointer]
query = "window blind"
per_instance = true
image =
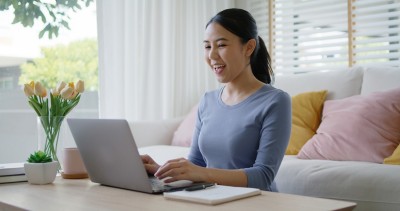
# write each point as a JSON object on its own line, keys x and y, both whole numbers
{"x": 376, "y": 32}
{"x": 309, "y": 35}
{"x": 313, "y": 35}
{"x": 259, "y": 10}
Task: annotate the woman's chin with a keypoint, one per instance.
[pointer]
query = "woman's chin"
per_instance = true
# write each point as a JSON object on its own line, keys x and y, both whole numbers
{"x": 222, "y": 80}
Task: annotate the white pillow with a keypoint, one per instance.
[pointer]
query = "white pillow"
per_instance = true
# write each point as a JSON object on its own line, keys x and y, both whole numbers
{"x": 380, "y": 79}
{"x": 339, "y": 83}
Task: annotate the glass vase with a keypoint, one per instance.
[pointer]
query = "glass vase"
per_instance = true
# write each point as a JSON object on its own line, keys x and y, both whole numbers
{"x": 49, "y": 128}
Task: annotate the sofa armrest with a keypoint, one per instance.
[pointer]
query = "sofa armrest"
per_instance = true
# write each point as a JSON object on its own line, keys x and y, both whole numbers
{"x": 159, "y": 132}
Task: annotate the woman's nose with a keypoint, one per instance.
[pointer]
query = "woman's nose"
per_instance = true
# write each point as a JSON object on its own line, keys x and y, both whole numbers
{"x": 213, "y": 54}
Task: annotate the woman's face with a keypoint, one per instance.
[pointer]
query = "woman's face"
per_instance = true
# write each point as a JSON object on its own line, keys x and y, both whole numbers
{"x": 224, "y": 53}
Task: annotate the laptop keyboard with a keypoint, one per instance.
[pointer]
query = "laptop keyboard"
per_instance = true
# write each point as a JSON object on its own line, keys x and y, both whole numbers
{"x": 157, "y": 184}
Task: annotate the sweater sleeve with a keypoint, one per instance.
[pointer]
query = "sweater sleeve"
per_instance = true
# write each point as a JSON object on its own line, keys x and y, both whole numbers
{"x": 274, "y": 139}
{"x": 195, "y": 155}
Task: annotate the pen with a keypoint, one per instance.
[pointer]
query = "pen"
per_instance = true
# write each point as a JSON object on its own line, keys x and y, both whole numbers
{"x": 199, "y": 187}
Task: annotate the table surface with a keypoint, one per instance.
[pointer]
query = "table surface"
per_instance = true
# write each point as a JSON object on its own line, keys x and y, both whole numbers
{"x": 82, "y": 194}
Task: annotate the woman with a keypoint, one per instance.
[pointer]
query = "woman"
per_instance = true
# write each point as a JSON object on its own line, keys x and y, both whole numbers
{"x": 243, "y": 128}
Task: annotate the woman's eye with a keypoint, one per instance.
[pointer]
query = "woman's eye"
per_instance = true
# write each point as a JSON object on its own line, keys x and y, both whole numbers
{"x": 221, "y": 45}
{"x": 207, "y": 47}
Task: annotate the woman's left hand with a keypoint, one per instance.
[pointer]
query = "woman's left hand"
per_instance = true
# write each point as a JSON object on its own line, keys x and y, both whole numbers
{"x": 180, "y": 169}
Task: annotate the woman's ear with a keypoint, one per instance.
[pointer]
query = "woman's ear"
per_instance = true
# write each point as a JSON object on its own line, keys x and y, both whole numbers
{"x": 250, "y": 47}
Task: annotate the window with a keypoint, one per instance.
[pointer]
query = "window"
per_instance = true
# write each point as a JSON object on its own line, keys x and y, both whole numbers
{"x": 260, "y": 10}
{"x": 20, "y": 48}
{"x": 6, "y": 83}
{"x": 311, "y": 35}
{"x": 308, "y": 40}
{"x": 375, "y": 32}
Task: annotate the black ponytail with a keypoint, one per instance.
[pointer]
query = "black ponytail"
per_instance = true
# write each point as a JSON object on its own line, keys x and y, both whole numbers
{"x": 242, "y": 24}
{"x": 261, "y": 63}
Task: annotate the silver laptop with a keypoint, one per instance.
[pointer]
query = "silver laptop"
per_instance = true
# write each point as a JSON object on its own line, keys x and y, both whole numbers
{"x": 111, "y": 157}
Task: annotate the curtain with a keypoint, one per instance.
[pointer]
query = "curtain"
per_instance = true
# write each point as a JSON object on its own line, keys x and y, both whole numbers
{"x": 151, "y": 60}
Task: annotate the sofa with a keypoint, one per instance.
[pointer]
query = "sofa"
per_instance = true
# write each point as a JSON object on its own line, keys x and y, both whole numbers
{"x": 347, "y": 152}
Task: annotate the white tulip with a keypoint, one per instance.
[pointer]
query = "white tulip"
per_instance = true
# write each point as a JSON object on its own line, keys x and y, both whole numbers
{"x": 40, "y": 90}
{"x": 80, "y": 86}
{"x": 55, "y": 92}
{"x": 67, "y": 92}
{"x": 61, "y": 86}
{"x": 28, "y": 89}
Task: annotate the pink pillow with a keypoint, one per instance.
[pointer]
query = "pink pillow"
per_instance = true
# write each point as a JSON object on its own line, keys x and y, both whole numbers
{"x": 357, "y": 128}
{"x": 183, "y": 134}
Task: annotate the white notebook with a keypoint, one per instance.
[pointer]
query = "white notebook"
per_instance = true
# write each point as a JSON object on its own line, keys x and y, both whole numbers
{"x": 9, "y": 169}
{"x": 13, "y": 178}
{"x": 213, "y": 195}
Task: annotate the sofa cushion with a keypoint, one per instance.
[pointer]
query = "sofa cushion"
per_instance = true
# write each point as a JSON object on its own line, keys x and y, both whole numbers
{"x": 164, "y": 153}
{"x": 154, "y": 132}
{"x": 380, "y": 79}
{"x": 306, "y": 117}
{"x": 184, "y": 132}
{"x": 358, "y": 128}
{"x": 339, "y": 83}
{"x": 394, "y": 158}
{"x": 372, "y": 186}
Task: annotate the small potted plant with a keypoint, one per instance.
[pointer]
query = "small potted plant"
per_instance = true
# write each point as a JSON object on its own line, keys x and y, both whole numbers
{"x": 40, "y": 168}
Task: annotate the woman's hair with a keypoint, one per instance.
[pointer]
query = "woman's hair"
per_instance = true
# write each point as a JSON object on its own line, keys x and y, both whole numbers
{"x": 242, "y": 24}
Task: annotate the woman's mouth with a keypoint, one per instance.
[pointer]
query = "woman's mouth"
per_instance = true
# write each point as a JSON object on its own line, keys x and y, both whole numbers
{"x": 218, "y": 68}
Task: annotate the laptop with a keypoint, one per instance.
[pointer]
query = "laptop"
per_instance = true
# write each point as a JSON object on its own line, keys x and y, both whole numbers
{"x": 111, "y": 157}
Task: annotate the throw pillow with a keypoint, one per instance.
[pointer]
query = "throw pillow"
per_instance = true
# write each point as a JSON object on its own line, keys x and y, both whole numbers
{"x": 357, "y": 128}
{"x": 306, "y": 117}
{"x": 184, "y": 132}
{"x": 394, "y": 158}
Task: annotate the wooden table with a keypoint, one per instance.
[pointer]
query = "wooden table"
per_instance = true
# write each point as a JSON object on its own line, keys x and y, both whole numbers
{"x": 82, "y": 194}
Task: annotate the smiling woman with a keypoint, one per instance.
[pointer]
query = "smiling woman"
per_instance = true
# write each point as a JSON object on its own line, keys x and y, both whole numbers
{"x": 46, "y": 61}
{"x": 243, "y": 128}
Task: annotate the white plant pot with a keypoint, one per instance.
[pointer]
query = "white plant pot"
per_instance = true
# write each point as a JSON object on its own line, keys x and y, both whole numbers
{"x": 41, "y": 173}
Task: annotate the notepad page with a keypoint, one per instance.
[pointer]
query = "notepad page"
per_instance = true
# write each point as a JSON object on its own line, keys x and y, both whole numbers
{"x": 213, "y": 195}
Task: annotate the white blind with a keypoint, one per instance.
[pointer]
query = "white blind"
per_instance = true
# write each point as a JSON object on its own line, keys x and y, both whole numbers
{"x": 376, "y": 32}
{"x": 313, "y": 35}
{"x": 309, "y": 35}
{"x": 259, "y": 10}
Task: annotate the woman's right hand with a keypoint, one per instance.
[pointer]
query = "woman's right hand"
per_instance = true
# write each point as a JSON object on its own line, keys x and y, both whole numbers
{"x": 149, "y": 164}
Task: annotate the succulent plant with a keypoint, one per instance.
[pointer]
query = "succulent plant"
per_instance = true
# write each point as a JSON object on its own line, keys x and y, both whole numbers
{"x": 39, "y": 157}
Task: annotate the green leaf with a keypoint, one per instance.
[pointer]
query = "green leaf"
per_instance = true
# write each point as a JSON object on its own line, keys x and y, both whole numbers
{"x": 4, "y": 5}
{"x": 46, "y": 28}
{"x": 65, "y": 24}
{"x": 39, "y": 157}
{"x": 51, "y": 13}
{"x": 55, "y": 30}
{"x": 26, "y": 12}
{"x": 40, "y": 14}
{"x": 34, "y": 106}
{"x": 88, "y": 3}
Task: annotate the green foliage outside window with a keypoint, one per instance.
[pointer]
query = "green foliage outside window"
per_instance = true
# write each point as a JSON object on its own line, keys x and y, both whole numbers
{"x": 52, "y": 13}
{"x": 69, "y": 63}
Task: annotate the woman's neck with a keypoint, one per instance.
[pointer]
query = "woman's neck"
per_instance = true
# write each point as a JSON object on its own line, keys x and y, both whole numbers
{"x": 238, "y": 90}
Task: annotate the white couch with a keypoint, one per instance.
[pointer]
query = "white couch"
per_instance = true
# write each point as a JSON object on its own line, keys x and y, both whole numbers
{"x": 372, "y": 186}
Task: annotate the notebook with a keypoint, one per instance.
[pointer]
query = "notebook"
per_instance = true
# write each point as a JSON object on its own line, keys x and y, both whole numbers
{"x": 111, "y": 157}
{"x": 213, "y": 195}
{"x": 9, "y": 169}
{"x": 12, "y": 172}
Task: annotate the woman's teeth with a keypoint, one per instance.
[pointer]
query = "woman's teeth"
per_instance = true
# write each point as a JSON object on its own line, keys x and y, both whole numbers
{"x": 218, "y": 68}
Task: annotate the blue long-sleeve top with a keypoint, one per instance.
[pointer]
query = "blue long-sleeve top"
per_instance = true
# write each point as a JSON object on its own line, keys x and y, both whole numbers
{"x": 251, "y": 135}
